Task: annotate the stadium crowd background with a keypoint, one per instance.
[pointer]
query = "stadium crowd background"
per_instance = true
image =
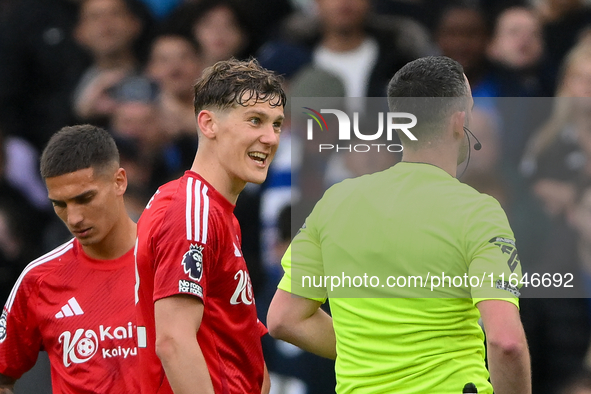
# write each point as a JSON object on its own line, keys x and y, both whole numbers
{"x": 129, "y": 65}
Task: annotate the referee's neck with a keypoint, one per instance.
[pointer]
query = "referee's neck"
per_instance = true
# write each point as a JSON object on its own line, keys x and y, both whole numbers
{"x": 436, "y": 156}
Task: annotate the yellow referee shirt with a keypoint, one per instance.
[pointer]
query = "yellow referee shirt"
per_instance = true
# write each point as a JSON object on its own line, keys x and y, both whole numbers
{"x": 404, "y": 256}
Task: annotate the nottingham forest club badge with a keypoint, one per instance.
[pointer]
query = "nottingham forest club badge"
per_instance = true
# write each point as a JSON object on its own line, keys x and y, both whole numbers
{"x": 193, "y": 262}
{"x": 3, "y": 326}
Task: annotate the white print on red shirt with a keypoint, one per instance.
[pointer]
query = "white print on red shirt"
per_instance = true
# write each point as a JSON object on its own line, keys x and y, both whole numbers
{"x": 243, "y": 289}
{"x": 85, "y": 344}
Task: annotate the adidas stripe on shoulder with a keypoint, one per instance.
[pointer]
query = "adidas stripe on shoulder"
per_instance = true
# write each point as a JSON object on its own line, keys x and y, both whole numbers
{"x": 195, "y": 220}
{"x": 57, "y": 252}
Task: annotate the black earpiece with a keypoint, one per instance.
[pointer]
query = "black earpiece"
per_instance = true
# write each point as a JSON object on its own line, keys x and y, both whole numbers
{"x": 477, "y": 145}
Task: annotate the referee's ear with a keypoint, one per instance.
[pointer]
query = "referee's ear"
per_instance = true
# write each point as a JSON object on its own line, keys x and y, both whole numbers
{"x": 457, "y": 124}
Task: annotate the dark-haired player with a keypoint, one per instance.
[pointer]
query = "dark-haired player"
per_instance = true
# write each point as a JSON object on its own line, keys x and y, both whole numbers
{"x": 194, "y": 290}
{"x": 76, "y": 302}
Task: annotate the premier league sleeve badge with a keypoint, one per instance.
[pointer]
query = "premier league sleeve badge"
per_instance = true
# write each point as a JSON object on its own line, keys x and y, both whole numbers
{"x": 193, "y": 262}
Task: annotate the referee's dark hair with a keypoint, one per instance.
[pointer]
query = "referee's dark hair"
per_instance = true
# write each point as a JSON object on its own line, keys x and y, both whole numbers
{"x": 431, "y": 88}
{"x": 431, "y": 76}
{"x": 75, "y": 148}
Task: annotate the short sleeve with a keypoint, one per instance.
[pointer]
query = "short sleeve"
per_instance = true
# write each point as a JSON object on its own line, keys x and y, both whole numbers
{"x": 303, "y": 261}
{"x": 183, "y": 266}
{"x": 492, "y": 255}
{"x": 20, "y": 339}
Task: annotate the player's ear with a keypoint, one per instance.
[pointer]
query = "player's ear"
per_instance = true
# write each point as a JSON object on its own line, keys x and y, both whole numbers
{"x": 206, "y": 123}
{"x": 120, "y": 181}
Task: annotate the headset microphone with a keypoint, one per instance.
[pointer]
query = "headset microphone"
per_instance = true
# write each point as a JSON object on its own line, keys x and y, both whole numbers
{"x": 477, "y": 145}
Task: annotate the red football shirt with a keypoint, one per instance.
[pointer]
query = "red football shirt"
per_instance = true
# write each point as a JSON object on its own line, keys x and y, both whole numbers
{"x": 81, "y": 311}
{"x": 189, "y": 243}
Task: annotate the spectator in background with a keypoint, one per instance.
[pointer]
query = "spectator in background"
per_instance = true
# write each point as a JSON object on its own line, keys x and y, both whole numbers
{"x": 559, "y": 329}
{"x": 40, "y": 65}
{"x": 557, "y": 162}
{"x": 517, "y": 44}
{"x": 21, "y": 225}
{"x": 463, "y": 34}
{"x": 137, "y": 118}
{"x": 220, "y": 31}
{"x": 175, "y": 64}
{"x": 347, "y": 49}
{"x": 152, "y": 155}
{"x": 563, "y": 21}
{"x": 488, "y": 172}
{"x": 294, "y": 174}
{"x": 345, "y": 42}
{"x": 517, "y": 38}
{"x": 558, "y": 155}
{"x": 20, "y": 164}
{"x": 218, "y": 26}
{"x": 136, "y": 125}
{"x": 11, "y": 249}
{"x": 108, "y": 29}
{"x": 261, "y": 18}
{"x": 303, "y": 162}
{"x": 362, "y": 57}
{"x": 425, "y": 12}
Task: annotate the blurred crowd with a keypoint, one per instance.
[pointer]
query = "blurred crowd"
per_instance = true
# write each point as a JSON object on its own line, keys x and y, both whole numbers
{"x": 129, "y": 66}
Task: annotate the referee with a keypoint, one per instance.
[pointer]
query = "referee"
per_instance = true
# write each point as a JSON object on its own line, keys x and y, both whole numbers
{"x": 413, "y": 220}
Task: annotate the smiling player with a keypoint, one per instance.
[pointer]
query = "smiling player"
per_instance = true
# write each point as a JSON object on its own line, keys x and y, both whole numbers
{"x": 193, "y": 289}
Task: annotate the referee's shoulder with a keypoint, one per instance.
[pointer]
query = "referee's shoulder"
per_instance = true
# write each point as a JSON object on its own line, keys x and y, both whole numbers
{"x": 346, "y": 185}
{"x": 477, "y": 200}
